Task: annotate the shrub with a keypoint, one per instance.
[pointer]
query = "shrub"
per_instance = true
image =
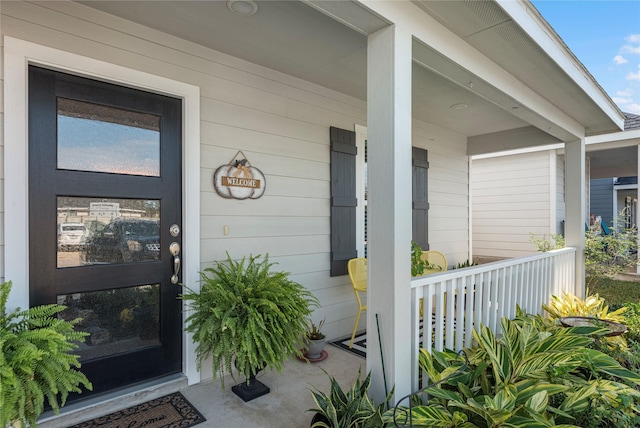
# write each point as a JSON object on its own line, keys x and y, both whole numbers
{"x": 555, "y": 241}
{"x": 592, "y": 306}
{"x": 609, "y": 255}
{"x": 536, "y": 374}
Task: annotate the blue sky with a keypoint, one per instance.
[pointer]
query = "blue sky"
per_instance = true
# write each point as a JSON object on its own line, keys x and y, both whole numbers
{"x": 605, "y": 36}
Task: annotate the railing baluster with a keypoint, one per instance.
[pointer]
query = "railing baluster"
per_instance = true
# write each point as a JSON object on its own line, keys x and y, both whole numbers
{"x": 469, "y": 305}
{"x": 457, "y": 301}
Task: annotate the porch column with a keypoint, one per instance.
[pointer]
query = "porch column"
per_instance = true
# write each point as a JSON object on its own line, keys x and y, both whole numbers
{"x": 389, "y": 199}
{"x": 575, "y": 206}
{"x": 637, "y": 206}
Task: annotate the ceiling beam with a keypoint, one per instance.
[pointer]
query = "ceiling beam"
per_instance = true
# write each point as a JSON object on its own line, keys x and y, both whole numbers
{"x": 520, "y": 138}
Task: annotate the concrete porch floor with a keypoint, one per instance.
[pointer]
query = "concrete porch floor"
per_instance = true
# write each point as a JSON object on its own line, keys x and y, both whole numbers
{"x": 286, "y": 404}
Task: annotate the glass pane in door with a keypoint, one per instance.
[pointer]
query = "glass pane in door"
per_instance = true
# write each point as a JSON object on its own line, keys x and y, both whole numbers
{"x": 106, "y": 231}
{"x": 99, "y": 138}
{"x": 117, "y": 320}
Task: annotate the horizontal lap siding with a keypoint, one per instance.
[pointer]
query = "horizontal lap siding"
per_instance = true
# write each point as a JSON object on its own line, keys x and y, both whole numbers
{"x": 448, "y": 190}
{"x": 279, "y": 122}
{"x": 560, "y": 197}
{"x": 511, "y": 199}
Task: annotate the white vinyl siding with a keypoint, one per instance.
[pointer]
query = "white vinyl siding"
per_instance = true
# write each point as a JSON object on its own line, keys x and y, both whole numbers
{"x": 511, "y": 199}
{"x": 281, "y": 124}
{"x": 560, "y": 200}
{"x": 448, "y": 190}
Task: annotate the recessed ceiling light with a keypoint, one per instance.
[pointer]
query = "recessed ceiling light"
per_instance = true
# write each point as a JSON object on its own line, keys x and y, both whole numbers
{"x": 460, "y": 106}
{"x": 242, "y": 7}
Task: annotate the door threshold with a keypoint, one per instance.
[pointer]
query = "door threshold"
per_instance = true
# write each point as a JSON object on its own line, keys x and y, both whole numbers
{"x": 84, "y": 410}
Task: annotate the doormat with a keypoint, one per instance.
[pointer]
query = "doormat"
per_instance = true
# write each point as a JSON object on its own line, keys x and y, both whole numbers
{"x": 170, "y": 411}
{"x": 359, "y": 344}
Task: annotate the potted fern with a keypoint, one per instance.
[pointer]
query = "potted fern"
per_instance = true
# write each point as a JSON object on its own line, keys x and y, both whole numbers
{"x": 248, "y": 316}
{"x": 35, "y": 361}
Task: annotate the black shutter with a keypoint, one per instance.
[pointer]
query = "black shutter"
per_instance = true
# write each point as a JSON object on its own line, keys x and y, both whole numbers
{"x": 420, "y": 220}
{"x": 343, "y": 199}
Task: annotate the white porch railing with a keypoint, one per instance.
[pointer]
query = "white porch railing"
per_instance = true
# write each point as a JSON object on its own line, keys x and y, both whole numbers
{"x": 457, "y": 301}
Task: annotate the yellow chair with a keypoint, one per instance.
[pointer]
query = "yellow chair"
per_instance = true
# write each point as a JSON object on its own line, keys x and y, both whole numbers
{"x": 434, "y": 258}
{"x": 438, "y": 261}
{"x": 358, "y": 274}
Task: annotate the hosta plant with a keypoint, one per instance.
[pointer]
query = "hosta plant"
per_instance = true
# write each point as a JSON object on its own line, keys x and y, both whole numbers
{"x": 528, "y": 377}
{"x": 36, "y": 363}
{"x": 247, "y": 315}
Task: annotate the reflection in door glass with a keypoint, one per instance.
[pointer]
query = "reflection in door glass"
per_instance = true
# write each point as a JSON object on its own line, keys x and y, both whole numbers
{"x": 118, "y": 320}
{"x": 104, "y": 231}
{"x": 99, "y": 138}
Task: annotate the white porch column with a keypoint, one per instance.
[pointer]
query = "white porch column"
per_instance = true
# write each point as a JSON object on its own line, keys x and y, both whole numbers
{"x": 389, "y": 199}
{"x": 575, "y": 210}
{"x": 637, "y": 205}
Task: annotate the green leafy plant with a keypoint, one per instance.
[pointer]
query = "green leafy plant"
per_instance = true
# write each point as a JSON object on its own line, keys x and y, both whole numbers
{"x": 417, "y": 263}
{"x": 247, "y": 315}
{"x": 536, "y": 374}
{"x": 555, "y": 241}
{"x": 347, "y": 409}
{"x": 632, "y": 321}
{"x": 465, "y": 264}
{"x": 592, "y": 306}
{"x": 35, "y": 361}
{"x": 314, "y": 331}
{"x": 609, "y": 255}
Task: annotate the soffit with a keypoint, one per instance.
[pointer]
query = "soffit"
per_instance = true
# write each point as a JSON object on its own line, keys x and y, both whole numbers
{"x": 618, "y": 162}
{"x": 489, "y": 29}
{"x": 325, "y": 42}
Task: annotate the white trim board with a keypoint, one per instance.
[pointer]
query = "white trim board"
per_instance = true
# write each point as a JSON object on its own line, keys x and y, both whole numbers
{"x": 18, "y": 55}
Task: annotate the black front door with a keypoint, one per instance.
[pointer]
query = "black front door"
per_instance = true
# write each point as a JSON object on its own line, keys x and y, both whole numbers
{"x": 104, "y": 208}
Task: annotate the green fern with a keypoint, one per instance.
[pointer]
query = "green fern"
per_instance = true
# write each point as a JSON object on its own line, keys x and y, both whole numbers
{"x": 246, "y": 315}
{"x": 35, "y": 361}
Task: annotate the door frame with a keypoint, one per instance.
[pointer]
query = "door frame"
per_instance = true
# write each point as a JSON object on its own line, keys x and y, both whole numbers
{"x": 18, "y": 55}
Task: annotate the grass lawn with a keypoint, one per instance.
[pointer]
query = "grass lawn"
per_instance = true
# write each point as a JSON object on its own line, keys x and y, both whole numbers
{"x": 617, "y": 292}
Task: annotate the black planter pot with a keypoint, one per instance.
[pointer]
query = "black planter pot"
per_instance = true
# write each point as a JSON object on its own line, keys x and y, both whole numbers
{"x": 251, "y": 389}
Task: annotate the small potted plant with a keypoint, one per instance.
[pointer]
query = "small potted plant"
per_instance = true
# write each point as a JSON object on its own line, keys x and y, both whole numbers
{"x": 314, "y": 341}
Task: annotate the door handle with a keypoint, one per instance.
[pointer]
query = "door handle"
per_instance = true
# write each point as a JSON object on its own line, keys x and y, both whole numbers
{"x": 174, "y": 249}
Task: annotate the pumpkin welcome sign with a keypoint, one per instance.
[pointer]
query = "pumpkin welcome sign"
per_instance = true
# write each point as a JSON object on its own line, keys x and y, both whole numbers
{"x": 239, "y": 180}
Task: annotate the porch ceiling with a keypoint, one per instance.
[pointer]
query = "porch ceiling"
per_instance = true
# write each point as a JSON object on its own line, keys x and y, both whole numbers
{"x": 331, "y": 52}
{"x": 616, "y": 162}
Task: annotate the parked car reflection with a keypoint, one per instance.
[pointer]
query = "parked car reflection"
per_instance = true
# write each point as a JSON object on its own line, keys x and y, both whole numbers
{"x": 125, "y": 240}
{"x": 71, "y": 236}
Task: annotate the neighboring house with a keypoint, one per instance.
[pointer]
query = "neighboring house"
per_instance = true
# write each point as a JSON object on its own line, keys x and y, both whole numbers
{"x": 134, "y": 107}
{"x": 518, "y": 193}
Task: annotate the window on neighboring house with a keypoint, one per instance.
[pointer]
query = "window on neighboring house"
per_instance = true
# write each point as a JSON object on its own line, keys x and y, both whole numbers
{"x": 349, "y": 197}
